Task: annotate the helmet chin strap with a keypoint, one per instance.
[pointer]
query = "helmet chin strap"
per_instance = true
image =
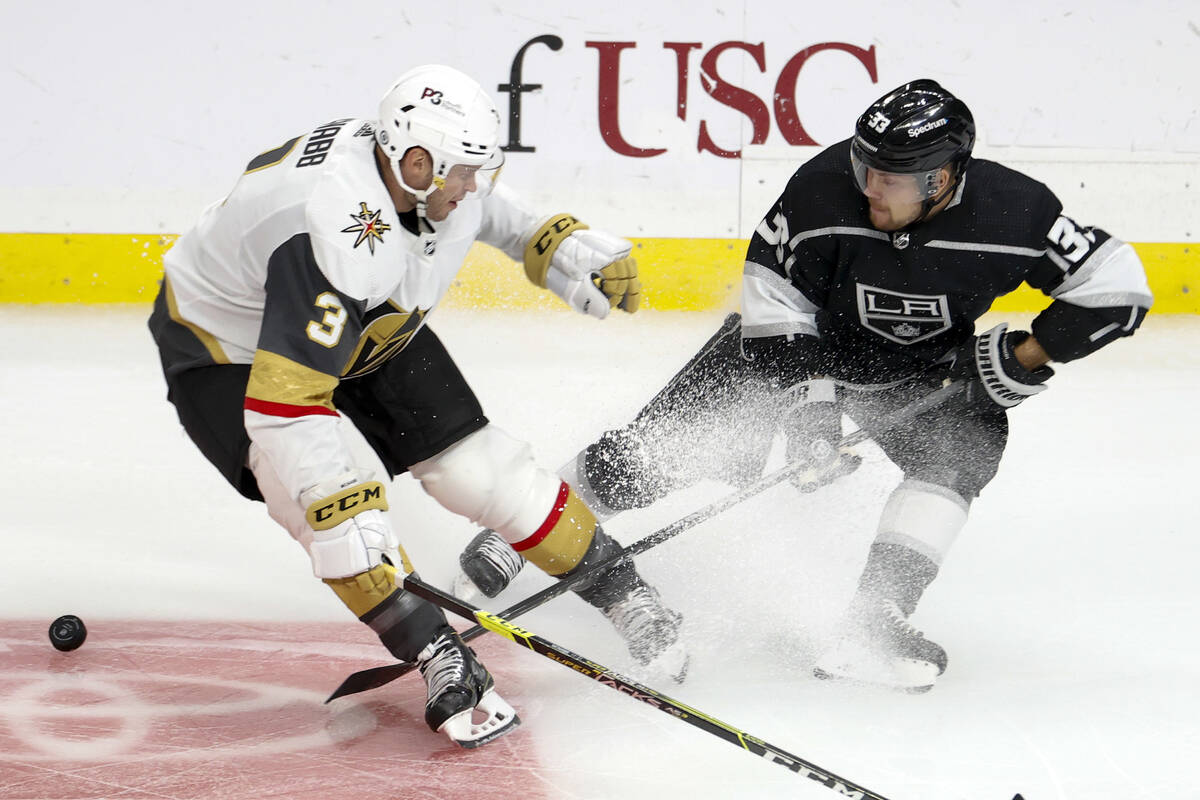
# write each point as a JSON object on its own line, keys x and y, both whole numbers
{"x": 421, "y": 195}
{"x": 926, "y": 206}
{"x": 929, "y": 202}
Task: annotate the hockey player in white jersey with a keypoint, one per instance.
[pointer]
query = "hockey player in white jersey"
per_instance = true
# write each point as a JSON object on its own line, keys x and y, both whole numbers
{"x": 860, "y": 292}
{"x": 298, "y": 305}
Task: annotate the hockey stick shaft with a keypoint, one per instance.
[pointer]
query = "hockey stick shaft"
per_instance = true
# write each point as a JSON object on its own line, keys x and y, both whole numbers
{"x": 374, "y": 677}
{"x": 613, "y": 680}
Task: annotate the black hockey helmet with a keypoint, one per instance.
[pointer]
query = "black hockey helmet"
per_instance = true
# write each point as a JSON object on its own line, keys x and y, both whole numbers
{"x": 915, "y": 129}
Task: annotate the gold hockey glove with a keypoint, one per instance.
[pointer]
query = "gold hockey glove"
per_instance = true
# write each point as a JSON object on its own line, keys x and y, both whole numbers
{"x": 591, "y": 271}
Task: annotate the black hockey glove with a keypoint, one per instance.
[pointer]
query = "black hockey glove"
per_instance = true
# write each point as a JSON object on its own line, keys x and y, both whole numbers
{"x": 994, "y": 377}
{"x": 813, "y": 426}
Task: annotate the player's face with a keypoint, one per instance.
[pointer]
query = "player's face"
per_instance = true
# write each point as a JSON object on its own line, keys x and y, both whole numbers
{"x": 895, "y": 200}
{"x": 459, "y": 182}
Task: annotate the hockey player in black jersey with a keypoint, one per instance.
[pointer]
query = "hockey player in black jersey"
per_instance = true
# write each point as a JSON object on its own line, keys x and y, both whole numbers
{"x": 296, "y": 307}
{"x": 860, "y": 293}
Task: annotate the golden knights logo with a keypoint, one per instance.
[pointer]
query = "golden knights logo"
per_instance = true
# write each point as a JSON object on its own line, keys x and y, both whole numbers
{"x": 368, "y": 226}
{"x": 387, "y": 330}
{"x": 901, "y": 317}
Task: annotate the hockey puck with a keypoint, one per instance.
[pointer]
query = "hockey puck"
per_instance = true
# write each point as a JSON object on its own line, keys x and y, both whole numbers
{"x": 67, "y": 633}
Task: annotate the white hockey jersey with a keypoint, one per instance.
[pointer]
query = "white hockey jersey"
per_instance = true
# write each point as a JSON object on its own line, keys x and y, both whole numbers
{"x": 306, "y": 272}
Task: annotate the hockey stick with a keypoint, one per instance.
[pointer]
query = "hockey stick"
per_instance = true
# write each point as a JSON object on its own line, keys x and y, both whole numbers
{"x": 374, "y": 677}
{"x": 630, "y": 688}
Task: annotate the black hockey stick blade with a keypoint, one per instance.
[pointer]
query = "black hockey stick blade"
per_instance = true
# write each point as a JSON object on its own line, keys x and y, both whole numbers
{"x": 367, "y": 679}
{"x": 373, "y": 678}
{"x": 637, "y": 691}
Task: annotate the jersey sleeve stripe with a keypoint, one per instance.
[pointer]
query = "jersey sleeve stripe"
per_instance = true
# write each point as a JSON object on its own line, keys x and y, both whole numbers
{"x": 987, "y": 247}
{"x": 1111, "y": 276}
{"x": 772, "y": 307}
{"x": 779, "y": 285}
{"x": 285, "y": 409}
{"x": 280, "y": 380}
{"x": 838, "y": 230}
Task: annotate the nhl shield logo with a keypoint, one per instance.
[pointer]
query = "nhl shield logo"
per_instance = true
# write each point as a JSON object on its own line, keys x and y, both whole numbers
{"x": 902, "y": 317}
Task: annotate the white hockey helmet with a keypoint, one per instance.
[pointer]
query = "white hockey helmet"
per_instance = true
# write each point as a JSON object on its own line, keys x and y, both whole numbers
{"x": 448, "y": 114}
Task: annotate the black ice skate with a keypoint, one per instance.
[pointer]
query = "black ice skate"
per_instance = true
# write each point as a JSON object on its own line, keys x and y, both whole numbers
{"x": 650, "y": 630}
{"x": 880, "y": 647}
{"x": 458, "y": 687}
{"x": 489, "y": 564}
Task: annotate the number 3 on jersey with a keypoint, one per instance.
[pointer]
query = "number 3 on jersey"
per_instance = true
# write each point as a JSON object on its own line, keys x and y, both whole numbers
{"x": 328, "y": 331}
{"x": 1073, "y": 244}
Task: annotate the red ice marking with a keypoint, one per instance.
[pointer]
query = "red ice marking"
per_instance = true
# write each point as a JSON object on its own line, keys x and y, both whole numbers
{"x": 195, "y": 710}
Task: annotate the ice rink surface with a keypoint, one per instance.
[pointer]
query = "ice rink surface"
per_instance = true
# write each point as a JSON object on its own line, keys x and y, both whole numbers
{"x": 1069, "y": 608}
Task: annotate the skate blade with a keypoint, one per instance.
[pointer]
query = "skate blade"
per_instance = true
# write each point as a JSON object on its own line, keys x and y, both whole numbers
{"x": 673, "y": 663}
{"x": 501, "y": 719}
{"x": 857, "y": 680}
{"x": 854, "y": 663}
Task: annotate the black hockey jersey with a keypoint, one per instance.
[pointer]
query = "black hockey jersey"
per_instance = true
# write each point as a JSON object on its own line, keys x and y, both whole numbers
{"x": 885, "y": 306}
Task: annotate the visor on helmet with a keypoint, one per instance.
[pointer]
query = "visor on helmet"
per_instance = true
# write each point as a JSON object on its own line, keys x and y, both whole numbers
{"x": 478, "y": 179}
{"x": 924, "y": 183}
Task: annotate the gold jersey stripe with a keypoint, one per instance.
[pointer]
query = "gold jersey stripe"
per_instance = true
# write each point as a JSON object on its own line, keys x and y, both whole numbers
{"x": 277, "y": 379}
{"x": 215, "y": 351}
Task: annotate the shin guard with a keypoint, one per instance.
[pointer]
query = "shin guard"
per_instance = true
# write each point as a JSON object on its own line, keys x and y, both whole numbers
{"x": 571, "y": 541}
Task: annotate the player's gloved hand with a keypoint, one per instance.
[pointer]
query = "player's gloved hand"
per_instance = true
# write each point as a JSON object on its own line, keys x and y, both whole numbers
{"x": 351, "y": 534}
{"x": 994, "y": 377}
{"x": 813, "y": 426}
{"x": 591, "y": 271}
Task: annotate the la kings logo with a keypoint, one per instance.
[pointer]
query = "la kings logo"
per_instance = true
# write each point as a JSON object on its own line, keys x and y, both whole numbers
{"x": 900, "y": 317}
